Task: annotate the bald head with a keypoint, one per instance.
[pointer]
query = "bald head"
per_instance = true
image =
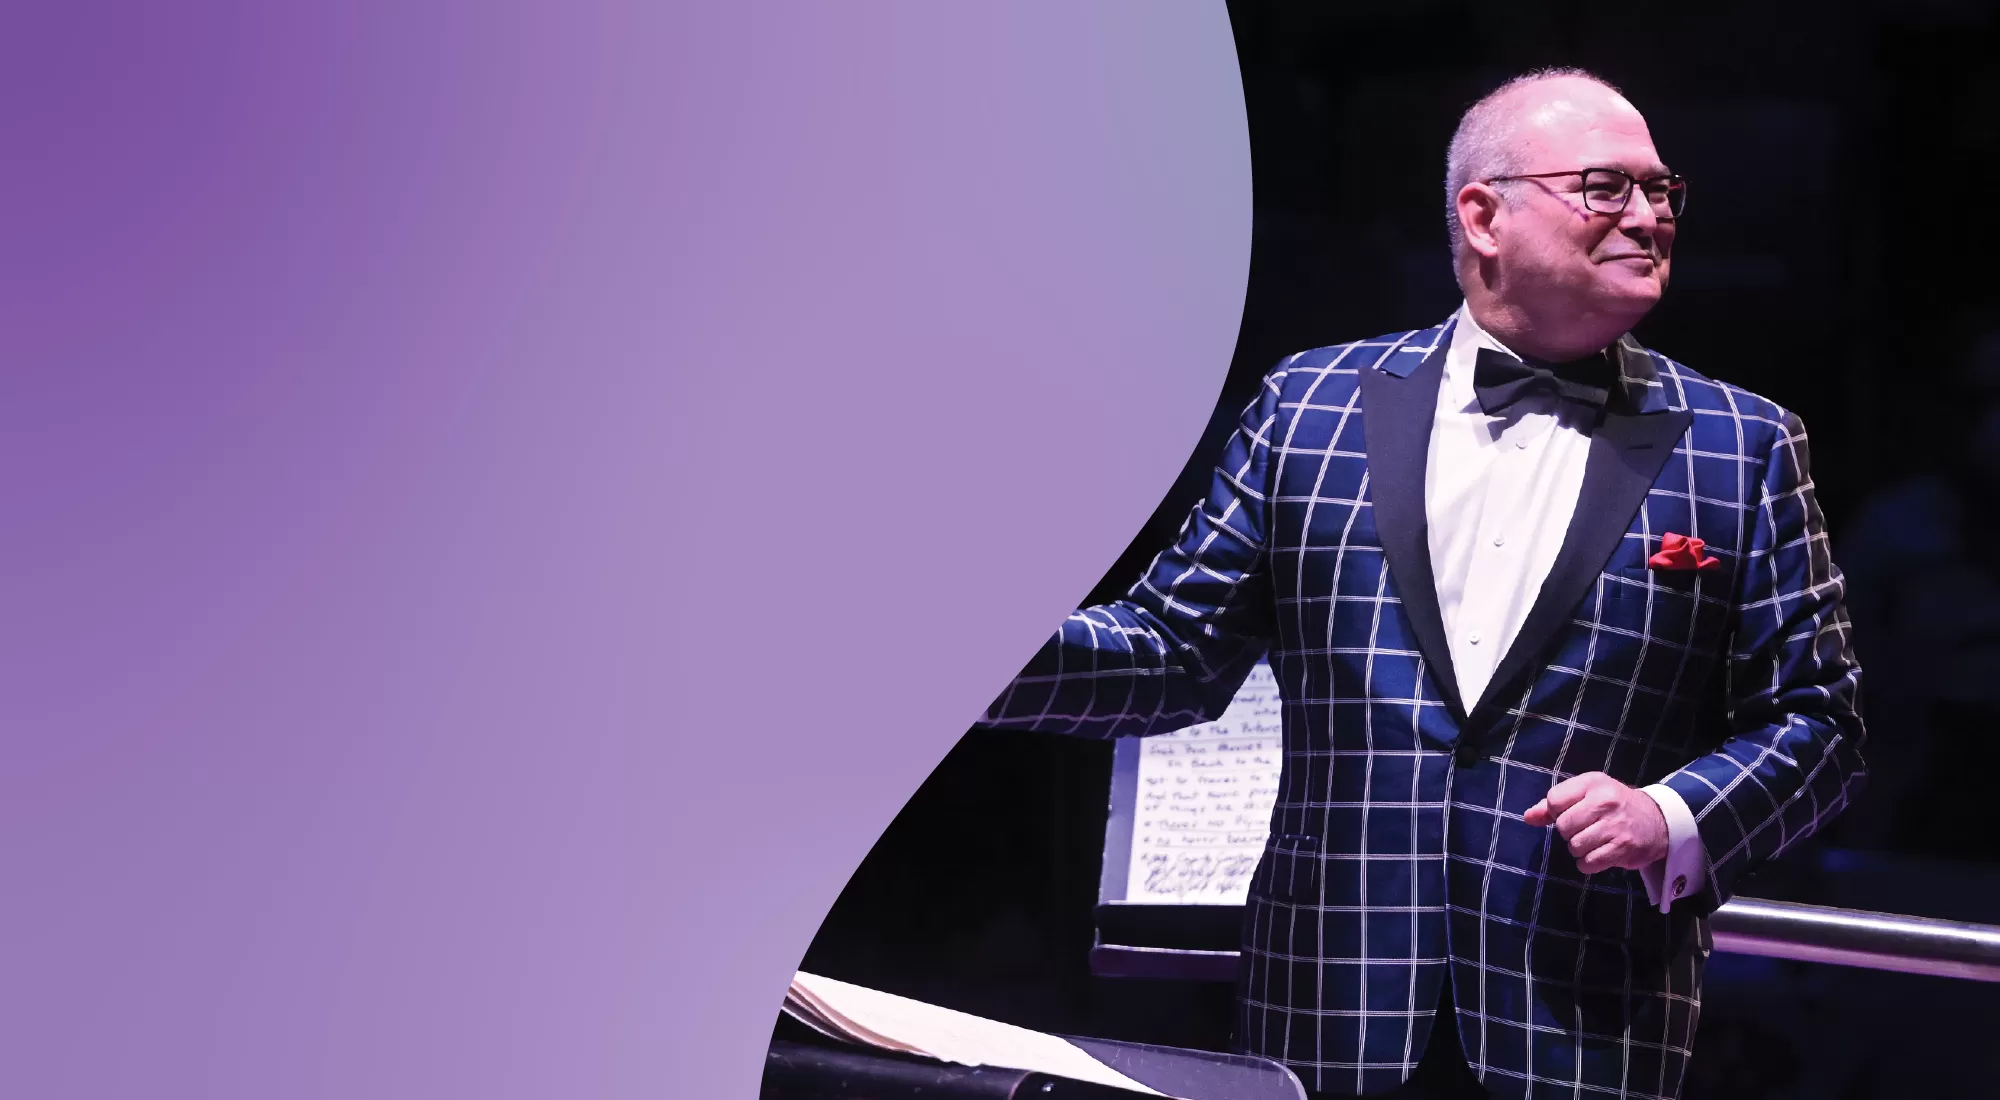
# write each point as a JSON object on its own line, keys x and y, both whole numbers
{"x": 1502, "y": 133}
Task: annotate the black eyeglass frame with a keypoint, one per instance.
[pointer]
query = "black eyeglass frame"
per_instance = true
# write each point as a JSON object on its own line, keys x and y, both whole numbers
{"x": 1676, "y": 188}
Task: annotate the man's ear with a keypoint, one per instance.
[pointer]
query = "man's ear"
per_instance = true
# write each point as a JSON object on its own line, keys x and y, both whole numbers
{"x": 1480, "y": 208}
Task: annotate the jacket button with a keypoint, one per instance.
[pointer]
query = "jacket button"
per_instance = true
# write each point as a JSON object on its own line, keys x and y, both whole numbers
{"x": 1680, "y": 885}
{"x": 1466, "y": 755}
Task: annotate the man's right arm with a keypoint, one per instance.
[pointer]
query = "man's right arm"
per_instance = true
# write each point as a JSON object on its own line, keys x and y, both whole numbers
{"x": 1175, "y": 650}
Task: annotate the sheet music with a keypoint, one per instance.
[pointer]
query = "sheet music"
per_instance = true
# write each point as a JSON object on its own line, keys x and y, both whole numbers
{"x": 885, "y": 1020}
{"x": 1204, "y": 802}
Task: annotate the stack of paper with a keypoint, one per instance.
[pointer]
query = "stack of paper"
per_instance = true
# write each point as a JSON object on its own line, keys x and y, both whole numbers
{"x": 873, "y": 1018}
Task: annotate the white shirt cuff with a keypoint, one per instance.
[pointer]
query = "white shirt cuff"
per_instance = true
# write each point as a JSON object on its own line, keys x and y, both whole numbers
{"x": 1685, "y": 866}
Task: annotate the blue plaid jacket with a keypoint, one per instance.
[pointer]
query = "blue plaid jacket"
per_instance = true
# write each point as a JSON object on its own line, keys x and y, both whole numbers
{"x": 1397, "y": 857}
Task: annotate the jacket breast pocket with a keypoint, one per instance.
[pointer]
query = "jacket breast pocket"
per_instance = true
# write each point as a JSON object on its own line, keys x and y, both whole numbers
{"x": 1652, "y": 605}
{"x": 1644, "y": 584}
{"x": 1289, "y": 870}
{"x": 1637, "y": 580}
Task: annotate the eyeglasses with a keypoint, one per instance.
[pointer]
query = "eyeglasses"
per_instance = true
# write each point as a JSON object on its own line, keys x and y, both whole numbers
{"x": 1608, "y": 191}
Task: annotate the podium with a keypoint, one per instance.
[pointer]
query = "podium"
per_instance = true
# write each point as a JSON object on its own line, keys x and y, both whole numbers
{"x": 1176, "y": 869}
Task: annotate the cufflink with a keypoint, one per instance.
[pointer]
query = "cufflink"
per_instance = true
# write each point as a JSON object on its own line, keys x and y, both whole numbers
{"x": 1680, "y": 885}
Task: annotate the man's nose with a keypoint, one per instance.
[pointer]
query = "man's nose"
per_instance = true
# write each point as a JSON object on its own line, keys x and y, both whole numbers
{"x": 1638, "y": 219}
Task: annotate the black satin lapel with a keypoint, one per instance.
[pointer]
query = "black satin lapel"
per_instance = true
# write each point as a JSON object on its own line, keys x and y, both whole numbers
{"x": 1626, "y": 454}
{"x": 1397, "y": 414}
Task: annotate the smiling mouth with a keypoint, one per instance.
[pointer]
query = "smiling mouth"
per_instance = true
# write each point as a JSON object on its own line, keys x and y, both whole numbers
{"x": 1630, "y": 256}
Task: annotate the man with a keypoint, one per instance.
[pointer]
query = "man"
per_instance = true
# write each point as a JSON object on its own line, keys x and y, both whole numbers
{"x": 1562, "y": 652}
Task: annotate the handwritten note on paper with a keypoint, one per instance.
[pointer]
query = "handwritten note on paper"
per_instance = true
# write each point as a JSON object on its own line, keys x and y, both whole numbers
{"x": 1204, "y": 802}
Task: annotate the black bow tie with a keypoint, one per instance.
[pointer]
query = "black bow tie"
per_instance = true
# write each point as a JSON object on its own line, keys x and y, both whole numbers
{"x": 1500, "y": 380}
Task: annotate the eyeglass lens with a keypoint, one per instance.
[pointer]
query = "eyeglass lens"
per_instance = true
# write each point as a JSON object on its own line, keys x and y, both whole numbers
{"x": 1606, "y": 192}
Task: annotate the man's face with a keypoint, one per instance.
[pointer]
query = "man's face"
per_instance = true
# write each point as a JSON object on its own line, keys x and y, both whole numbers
{"x": 1556, "y": 253}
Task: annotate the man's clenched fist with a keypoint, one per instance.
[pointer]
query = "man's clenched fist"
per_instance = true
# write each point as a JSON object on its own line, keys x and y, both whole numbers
{"x": 1607, "y": 823}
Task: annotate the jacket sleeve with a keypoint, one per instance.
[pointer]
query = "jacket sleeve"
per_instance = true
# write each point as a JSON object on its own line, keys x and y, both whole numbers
{"x": 1174, "y": 651}
{"x": 1792, "y": 759}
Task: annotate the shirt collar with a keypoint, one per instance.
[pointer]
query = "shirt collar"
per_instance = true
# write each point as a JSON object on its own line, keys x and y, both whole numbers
{"x": 1636, "y": 376}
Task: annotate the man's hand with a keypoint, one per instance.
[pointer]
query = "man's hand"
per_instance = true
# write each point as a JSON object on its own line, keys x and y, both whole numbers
{"x": 1607, "y": 823}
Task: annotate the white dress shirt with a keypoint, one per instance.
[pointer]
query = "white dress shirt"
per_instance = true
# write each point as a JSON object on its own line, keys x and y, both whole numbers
{"x": 1498, "y": 495}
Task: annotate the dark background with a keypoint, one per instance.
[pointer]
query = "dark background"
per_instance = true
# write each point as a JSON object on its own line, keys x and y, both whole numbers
{"x": 1837, "y": 256}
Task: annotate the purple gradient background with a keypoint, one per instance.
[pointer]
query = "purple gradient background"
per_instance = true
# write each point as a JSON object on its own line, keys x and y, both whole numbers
{"x": 504, "y": 504}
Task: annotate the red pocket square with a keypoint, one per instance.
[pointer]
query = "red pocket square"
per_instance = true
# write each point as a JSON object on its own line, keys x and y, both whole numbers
{"x": 1681, "y": 552}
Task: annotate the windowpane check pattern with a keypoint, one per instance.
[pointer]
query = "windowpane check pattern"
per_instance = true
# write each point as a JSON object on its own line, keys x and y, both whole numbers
{"x": 1398, "y": 859}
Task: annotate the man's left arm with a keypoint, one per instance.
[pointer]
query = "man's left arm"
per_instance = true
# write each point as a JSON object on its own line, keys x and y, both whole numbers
{"x": 1793, "y": 757}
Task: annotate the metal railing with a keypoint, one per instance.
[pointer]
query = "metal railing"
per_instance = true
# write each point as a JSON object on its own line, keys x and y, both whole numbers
{"x": 1850, "y": 937}
{"x": 1745, "y": 926}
